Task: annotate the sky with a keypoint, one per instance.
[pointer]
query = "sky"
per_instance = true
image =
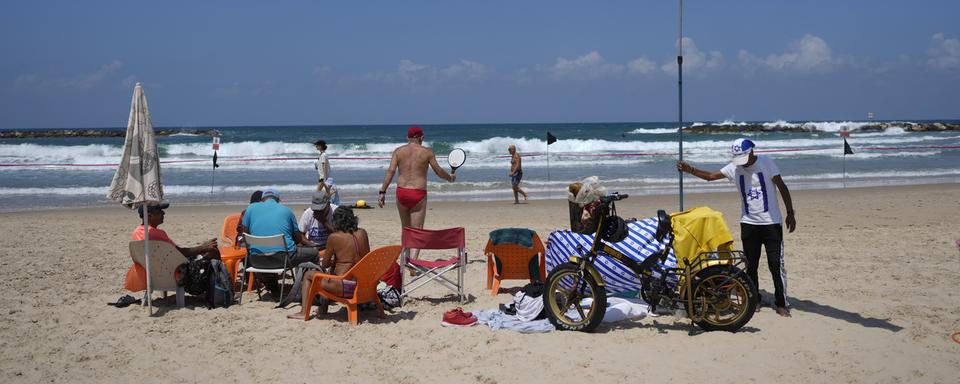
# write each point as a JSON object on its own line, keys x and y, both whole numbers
{"x": 73, "y": 64}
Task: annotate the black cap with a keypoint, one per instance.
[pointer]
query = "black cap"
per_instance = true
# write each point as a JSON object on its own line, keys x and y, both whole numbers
{"x": 152, "y": 208}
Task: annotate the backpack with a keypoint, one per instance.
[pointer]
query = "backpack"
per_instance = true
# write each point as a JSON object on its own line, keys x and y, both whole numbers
{"x": 220, "y": 291}
{"x": 194, "y": 276}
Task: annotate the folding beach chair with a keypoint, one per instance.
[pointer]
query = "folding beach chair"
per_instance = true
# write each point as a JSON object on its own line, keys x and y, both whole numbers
{"x": 427, "y": 271}
{"x": 275, "y": 262}
{"x": 231, "y": 253}
{"x": 164, "y": 260}
{"x": 510, "y": 259}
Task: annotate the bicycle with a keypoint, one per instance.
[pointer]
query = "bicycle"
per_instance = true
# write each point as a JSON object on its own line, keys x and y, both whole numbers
{"x": 712, "y": 287}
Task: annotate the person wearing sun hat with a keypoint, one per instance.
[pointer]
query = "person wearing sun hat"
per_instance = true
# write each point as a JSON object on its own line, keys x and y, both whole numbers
{"x": 136, "y": 279}
{"x": 760, "y": 218}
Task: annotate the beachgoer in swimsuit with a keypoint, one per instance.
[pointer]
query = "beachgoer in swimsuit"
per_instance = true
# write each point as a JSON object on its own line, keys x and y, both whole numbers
{"x": 345, "y": 247}
{"x": 412, "y": 160}
{"x": 516, "y": 174}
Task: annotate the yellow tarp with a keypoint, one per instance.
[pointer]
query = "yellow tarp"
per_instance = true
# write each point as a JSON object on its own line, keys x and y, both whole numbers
{"x": 699, "y": 230}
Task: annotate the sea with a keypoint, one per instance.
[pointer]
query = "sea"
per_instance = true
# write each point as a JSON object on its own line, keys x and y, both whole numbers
{"x": 634, "y": 158}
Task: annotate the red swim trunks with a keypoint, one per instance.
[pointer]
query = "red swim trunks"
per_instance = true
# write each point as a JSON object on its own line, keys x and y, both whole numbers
{"x": 410, "y": 197}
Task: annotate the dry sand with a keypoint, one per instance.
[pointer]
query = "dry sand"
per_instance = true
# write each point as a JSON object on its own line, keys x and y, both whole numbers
{"x": 873, "y": 277}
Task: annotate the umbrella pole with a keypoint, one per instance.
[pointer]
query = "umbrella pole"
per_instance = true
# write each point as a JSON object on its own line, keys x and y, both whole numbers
{"x": 146, "y": 255}
{"x": 680, "y": 96}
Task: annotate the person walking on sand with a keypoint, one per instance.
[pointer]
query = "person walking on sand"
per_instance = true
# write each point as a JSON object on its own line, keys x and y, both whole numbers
{"x": 516, "y": 173}
{"x": 412, "y": 160}
{"x": 322, "y": 165}
{"x": 760, "y": 219}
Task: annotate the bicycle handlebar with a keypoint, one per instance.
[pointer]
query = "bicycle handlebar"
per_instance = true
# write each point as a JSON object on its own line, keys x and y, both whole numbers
{"x": 614, "y": 197}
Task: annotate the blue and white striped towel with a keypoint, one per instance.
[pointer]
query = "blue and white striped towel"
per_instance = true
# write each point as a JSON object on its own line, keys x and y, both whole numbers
{"x": 639, "y": 244}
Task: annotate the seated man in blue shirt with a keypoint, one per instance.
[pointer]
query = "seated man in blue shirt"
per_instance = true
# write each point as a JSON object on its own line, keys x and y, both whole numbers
{"x": 270, "y": 218}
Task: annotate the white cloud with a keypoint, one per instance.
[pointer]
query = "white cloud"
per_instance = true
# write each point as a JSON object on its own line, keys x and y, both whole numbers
{"x": 945, "y": 53}
{"x": 589, "y": 66}
{"x": 695, "y": 60}
{"x": 641, "y": 66}
{"x": 411, "y": 72}
{"x": 77, "y": 82}
{"x": 809, "y": 54}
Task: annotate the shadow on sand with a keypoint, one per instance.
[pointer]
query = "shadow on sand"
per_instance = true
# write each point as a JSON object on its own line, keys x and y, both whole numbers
{"x": 839, "y": 314}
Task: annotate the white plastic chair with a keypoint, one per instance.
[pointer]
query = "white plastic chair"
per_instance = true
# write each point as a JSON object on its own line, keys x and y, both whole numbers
{"x": 164, "y": 260}
{"x": 264, "y": 242}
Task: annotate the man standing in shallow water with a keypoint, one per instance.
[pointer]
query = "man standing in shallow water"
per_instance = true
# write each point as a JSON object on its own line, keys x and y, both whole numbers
{"x": 760, "y": 218}
{"x": 411, "y": 160}
{"x": 516, "y": 174}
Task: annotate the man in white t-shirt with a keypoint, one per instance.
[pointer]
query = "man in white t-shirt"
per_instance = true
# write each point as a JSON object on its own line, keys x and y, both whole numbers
{"x": 322, "y": 165}
{"x": 760, "y": 219}
{"x": 316, "y": 222}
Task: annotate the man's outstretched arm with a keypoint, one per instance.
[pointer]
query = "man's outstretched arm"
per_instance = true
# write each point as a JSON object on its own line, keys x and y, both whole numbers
{"x": 439, "y": 170}
{"x": 683, "y": 166}
{"x": 787, "y": 202}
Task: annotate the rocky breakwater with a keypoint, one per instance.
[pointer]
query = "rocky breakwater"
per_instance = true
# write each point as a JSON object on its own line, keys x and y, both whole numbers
{"x": 813, "y": 127}
{"x": 38, "y": 133}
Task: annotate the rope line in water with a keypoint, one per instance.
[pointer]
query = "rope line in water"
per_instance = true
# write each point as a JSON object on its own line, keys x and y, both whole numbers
{"x": 379, "y": 158}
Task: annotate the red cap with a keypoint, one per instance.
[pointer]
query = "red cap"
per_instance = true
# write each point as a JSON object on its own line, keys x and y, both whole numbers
{"x": 414, "y": 131}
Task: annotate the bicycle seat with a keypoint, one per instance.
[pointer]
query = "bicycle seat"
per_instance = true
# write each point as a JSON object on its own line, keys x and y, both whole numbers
{"x": 664, "y": 226}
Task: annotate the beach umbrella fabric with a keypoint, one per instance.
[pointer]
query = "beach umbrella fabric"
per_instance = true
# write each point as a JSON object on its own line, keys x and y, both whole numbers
{"x": 137, "y": 181}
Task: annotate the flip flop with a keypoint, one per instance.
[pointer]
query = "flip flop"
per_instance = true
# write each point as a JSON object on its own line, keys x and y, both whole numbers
{"x": 125, "y": 301}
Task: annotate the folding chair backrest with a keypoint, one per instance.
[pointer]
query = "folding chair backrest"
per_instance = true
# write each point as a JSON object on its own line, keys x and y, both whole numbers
{"x": 164, "y": 260}
{"x": 450, "y": 238}
{"x": 514, "y": 260}
{"x": 228, "y": 234}
{"x": 265, "y": 241}
{"x": 370, "y": 268}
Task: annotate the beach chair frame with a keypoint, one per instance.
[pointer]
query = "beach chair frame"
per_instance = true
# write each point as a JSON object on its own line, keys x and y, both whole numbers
{"x": 428, "y": 271}
{"x": 264, "y": 241}
{"x": 164, "y": 260}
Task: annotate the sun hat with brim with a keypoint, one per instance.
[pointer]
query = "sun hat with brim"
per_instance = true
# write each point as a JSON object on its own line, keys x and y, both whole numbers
{"x": 741, "y": 150}
{"x": 320, "y": 201}
{"x": 153, "y": 208}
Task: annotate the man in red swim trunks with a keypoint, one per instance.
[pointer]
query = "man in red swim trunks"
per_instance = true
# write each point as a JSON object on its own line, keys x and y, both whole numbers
{"x": 412, "y": 160}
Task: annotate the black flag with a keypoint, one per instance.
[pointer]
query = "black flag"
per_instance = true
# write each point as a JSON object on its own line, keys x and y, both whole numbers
{"x": 551, "y": 138}
{"x": 846, "y": 148}
{"x": 215, "y": 165}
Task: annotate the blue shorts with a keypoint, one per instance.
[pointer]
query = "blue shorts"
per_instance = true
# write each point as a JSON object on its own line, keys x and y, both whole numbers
{"x": 515, "y": 179}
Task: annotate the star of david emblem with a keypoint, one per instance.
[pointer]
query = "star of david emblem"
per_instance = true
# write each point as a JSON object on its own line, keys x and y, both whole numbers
{"x": 754, "y": 194}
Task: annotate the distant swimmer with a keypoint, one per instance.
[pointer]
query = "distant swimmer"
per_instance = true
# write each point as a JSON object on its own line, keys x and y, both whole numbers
{"x": 516, "y": 174}
{"x": 411, "y": 160}
{"x": 760, "y": 219}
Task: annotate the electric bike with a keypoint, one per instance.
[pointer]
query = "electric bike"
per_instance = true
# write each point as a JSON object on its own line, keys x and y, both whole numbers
{"x": 712, "y": 288}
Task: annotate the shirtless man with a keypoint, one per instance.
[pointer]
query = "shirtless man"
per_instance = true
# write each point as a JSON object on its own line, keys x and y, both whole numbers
{"x": 412, "y": 160}
{"x": 516, "y": 173}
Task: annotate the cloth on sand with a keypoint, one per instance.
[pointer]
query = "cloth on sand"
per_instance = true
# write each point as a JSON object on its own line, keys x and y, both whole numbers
{"x": 519, "y": 236}
{"x": 495, "y": 319}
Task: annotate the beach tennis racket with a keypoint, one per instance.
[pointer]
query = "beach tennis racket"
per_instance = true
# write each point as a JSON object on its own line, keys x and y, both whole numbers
{"x": 456, "y": 158}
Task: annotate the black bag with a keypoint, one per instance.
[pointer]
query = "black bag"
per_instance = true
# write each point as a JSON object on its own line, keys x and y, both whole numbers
{"x": 220, "y": 291}
{"x": 194, "y": 276}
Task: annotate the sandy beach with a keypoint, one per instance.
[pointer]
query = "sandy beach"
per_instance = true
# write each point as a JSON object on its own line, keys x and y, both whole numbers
{"x": 872, "y": 272}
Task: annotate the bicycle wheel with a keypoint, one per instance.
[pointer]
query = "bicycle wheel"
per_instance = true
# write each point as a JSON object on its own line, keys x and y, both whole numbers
{"x": 724, "y": 298}
{"x": 573, "y": 300}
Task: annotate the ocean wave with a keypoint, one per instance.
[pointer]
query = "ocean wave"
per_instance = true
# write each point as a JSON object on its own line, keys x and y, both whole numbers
{"x": 652, "y": 131}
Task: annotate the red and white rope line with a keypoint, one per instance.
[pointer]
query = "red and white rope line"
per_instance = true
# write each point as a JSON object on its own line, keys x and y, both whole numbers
{"x": 383, "y": 158}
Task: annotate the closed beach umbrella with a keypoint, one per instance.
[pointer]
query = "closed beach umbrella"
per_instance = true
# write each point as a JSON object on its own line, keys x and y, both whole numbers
{"x": 137, "y": 181}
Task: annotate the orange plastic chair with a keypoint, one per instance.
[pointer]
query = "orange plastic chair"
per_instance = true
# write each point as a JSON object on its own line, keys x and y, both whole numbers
{"x": 231, "y": 253}
{"x": 512, "y": 262}
{"x": 366, "y": 273}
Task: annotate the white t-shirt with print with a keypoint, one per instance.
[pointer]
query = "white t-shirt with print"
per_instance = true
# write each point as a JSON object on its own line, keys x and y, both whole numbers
{"x": 758, "y": 194}
{"x": 313, "y": 229}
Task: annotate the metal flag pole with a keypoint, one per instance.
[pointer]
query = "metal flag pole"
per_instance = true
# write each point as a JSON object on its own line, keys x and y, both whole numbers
{"x": 680, "y": 94}
{"x": 213, "y": 173}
